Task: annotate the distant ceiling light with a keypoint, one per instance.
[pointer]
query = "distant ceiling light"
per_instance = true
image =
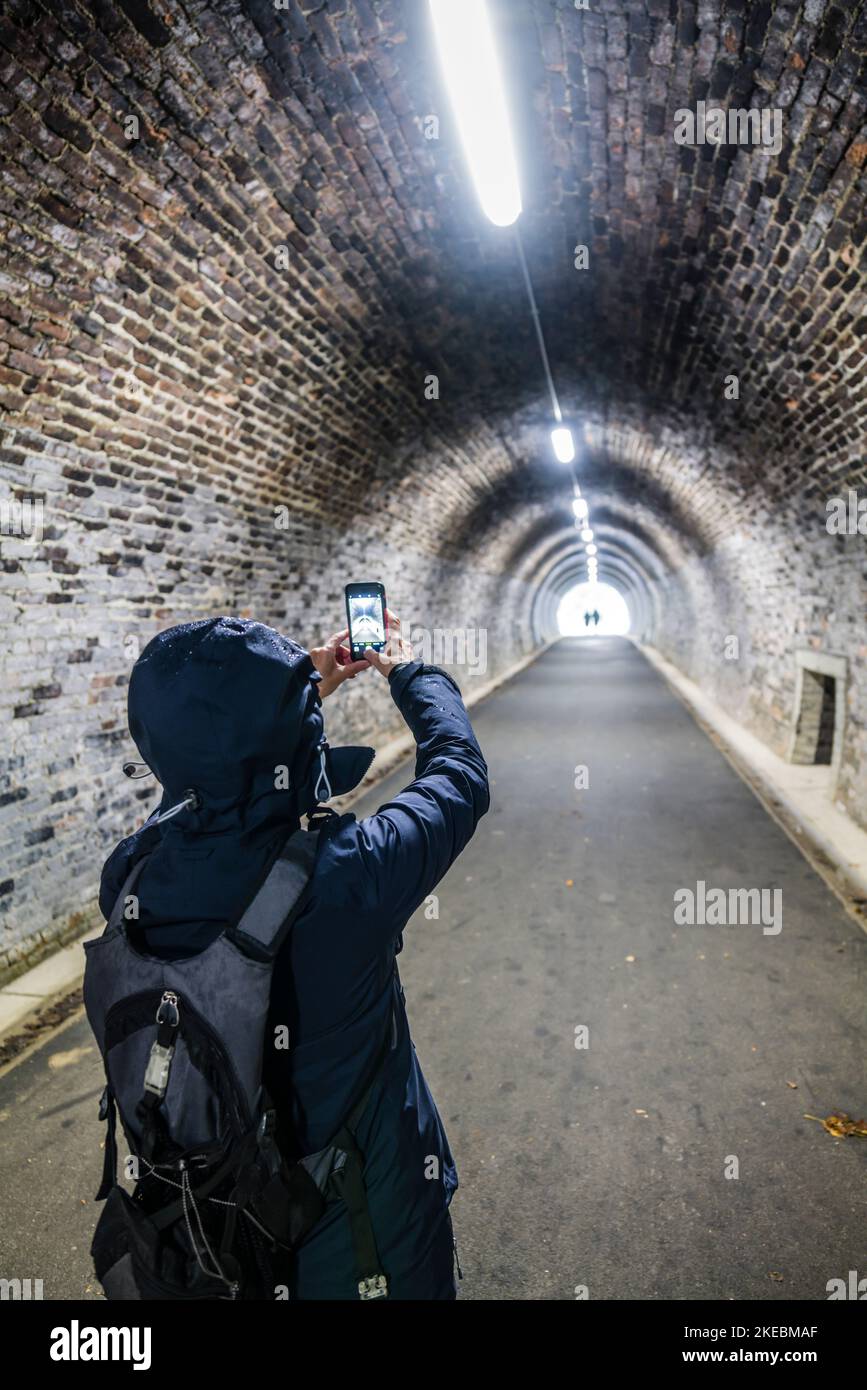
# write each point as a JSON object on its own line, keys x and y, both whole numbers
{"x": 591, "y": 549}
{"x": 472, "y": 77}
{"x": 564, "y": 449}
{"x": 579, "y": 507}
{"x": 586, "y": 534}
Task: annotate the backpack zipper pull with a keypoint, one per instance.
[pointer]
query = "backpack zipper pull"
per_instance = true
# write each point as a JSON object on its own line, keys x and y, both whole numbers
{"x": 163, "y": 1050}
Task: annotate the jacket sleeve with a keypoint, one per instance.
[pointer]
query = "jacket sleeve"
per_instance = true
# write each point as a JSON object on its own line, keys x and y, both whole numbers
{"x": 409, "y": 844}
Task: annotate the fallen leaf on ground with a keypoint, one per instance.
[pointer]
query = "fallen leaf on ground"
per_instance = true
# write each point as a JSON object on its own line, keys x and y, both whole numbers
{"x": 842, "y": 1126}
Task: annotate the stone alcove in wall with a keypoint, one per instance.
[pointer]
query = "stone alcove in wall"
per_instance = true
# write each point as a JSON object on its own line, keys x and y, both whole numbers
{"x": 818, "y": 725}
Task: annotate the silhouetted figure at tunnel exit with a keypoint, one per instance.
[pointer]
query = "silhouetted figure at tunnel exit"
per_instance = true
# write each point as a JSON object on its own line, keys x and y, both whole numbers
{"x": 586, "y": 619}
{"x": 243, "y": 949}
{"x": 596, "y": 617}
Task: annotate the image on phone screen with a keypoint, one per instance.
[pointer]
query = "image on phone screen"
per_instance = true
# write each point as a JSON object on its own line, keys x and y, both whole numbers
{"x": 365, "y": 607}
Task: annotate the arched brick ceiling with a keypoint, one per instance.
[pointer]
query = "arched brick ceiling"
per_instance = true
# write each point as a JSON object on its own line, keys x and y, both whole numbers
{"x": 302, "y": 128}
{"x": 703, "y": 261}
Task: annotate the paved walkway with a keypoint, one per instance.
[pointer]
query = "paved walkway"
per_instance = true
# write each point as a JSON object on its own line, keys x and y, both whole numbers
{"x": 602, "y": 1166}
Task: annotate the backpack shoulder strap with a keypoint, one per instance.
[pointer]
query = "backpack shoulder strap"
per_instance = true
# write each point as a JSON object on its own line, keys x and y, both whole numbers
{"x": 116, "y": 920}
{"x": 266, "y": 922}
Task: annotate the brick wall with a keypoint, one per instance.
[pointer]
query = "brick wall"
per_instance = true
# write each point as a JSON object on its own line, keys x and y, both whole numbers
{"x": 126, "y": 554}
{"x": 168, "y": 390}
{"x": 780, "y": 585}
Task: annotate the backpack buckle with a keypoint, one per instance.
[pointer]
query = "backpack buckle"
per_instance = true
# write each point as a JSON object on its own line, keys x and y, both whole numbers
{"x": 157, "y": 1073}
{"x": 374, "y": 1286}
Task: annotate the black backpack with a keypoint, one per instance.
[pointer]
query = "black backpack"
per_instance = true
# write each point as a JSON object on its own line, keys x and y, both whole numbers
{"x": 216, "y": 1211}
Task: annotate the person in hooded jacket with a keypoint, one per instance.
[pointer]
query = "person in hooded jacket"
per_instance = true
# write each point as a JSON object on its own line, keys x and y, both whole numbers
{"x": 232, "y": 709}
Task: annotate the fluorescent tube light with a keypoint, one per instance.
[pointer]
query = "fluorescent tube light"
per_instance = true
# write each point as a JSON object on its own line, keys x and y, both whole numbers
{"x": 472, "y": 76}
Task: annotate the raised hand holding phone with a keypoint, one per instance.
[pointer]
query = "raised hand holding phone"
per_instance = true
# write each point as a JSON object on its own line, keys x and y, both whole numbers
{"x": 334, "y": 663}
{"x": 398, "y": 649}
{"x": 372, "y": 638}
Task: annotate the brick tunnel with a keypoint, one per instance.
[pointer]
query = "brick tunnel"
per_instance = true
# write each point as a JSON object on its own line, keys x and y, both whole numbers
{"x": 259, "y": 340}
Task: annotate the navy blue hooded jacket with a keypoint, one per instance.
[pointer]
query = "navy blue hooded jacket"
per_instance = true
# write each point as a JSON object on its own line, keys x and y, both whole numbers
{"x": 218, "y": 706}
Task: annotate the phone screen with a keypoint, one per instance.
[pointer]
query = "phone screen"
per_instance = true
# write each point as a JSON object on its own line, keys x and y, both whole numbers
{"x": 365, "y": 612}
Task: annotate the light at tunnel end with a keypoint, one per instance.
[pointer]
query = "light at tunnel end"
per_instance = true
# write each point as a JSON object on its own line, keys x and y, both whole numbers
{"x": 589, "y": 598}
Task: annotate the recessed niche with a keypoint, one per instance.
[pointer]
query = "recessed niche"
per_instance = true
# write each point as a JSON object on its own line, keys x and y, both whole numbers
{"x": 820, "y": 707}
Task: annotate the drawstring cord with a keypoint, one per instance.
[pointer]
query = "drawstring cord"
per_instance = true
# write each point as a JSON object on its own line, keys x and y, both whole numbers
{"x": 191, "y": 800}
{"x": 217, "y": 1201}
{"x": 322, "y": 779}
{"x": 216, "y": 1272}
{"x": 129, "y": 770}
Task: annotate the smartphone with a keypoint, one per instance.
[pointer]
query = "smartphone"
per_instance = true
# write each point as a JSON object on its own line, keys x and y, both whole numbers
{"x": 365, "y": 618}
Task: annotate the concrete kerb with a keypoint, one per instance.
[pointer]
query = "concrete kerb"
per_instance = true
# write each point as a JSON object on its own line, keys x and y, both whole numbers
{"x": 831, "y": 840}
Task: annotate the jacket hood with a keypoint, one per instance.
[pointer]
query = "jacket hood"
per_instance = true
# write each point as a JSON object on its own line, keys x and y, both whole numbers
{"x": 230, "y": 709}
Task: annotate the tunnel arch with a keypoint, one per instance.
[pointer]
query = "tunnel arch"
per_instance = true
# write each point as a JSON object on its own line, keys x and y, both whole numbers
{"x": 221, "y": 339}
{"x": 637, "y": 595}
{"x": 571, "y": 569}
